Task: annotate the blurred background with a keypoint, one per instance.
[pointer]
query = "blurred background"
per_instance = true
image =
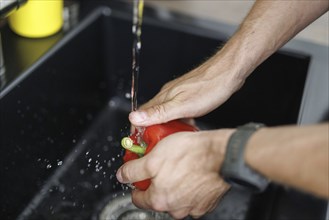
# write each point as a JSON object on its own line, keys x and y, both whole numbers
{"x": 233, "y": 12}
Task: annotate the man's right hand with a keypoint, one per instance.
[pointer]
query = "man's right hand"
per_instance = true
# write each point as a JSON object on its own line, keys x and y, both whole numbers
{"x": 192, "y": 95}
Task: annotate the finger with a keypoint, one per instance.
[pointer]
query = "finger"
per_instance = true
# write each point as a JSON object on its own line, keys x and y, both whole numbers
{"x": 155, "y": 114}
{"x": 189, "y": 121}
{"x": 132, "y": 129}
{"x": 196, "y": 216}
{"x": 180, "y": 214}
{"x": 213, "y": 206}
{"x": 141, "y": 199}
{"x": 149, "y": 199}
{"x": 220, "y": 197}
{"x": 134, "y": 171}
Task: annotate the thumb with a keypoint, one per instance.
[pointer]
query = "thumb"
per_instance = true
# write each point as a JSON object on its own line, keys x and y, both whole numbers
{"x": 133, "y": 171}
{"x": 155, "y": 114}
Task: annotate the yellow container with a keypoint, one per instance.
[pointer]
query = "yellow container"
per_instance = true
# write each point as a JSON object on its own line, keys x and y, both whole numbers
{"x": 37, "y": 18}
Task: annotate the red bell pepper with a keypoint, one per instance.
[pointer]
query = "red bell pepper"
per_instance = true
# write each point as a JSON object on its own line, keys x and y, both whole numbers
{"x": 151, "y": 136}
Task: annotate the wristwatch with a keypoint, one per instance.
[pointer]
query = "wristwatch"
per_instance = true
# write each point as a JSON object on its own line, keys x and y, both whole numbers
{"x": 234, "y": 169}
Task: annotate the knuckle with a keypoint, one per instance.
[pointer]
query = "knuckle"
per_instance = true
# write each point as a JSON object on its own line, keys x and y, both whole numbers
{"x": 165, "y": 86}
{"x": 125, "y": 172}
{"x": 152, "y": 165}
{"x": 200, "y": 209}
{"x": 136, "y": 202}
{"x": 158, "y": 203}
{"x": 168, "y": 86}
{"x": 179, "y": 214}
{"x": 158, "y": 110}
{"x": 197, "y": 213}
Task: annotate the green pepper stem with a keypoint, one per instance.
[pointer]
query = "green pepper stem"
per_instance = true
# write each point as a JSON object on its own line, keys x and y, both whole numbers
{"x": 128, "y": 144}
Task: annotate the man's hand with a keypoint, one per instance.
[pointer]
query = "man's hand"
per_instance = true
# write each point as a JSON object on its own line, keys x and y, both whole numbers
{"x": 192, "y": 95}
{"x": 268, "y": 26}
{"x": 184, "y": 170}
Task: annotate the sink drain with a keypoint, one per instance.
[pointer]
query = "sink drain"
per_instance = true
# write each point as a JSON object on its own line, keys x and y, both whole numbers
{"x": 119, "y": 207}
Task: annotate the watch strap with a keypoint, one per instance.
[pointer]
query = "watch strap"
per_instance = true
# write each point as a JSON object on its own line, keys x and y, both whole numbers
{"x": 234, "y": 169}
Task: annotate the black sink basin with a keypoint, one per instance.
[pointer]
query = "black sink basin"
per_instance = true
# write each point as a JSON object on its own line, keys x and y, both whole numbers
{"x": 62, "y": 121}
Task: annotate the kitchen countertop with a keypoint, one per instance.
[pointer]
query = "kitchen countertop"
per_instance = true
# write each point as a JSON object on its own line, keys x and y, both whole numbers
{"x": 233, "y": 12}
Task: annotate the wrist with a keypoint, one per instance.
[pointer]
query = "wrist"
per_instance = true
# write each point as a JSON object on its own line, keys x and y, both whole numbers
{"x": 252, "y": 152}
{"x": 218, "y": 143}
{"x": 229, "y": 65}
{"x": 234, "y": 168}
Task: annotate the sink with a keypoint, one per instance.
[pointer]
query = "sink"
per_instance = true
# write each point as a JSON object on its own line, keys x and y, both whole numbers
{"x": 63, "y": 118}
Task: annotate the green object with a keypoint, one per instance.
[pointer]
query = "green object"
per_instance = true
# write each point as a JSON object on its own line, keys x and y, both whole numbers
{"x": 128, "y": 144}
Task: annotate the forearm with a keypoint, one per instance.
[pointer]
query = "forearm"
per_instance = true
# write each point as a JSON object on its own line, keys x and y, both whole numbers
{"x": 291, "y": 155}
{"x": 267, "y": 27}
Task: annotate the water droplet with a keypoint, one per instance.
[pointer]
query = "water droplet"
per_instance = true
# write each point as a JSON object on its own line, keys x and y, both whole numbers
{"x": 128, "y": 95}
{"x": 82, "y": 171}
{"x": 61, "y": 188}
{"x": 48, "y": 166}
{"x": 139, "y": 45}
{"x": 90, "y": 159}
{"x": 74, "y": 141}
{"x": 60, "y": 163}
{"x": 112, "y": 103}
{"x": 99, "y": 168}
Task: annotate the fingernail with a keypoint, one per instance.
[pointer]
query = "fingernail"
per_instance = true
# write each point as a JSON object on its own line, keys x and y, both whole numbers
{"x": 137, "y": 117}
{"x": 119, "y": 176}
